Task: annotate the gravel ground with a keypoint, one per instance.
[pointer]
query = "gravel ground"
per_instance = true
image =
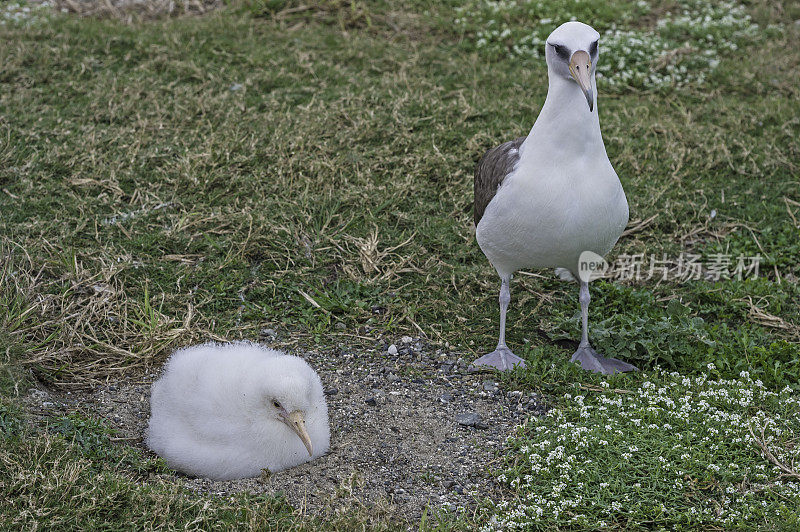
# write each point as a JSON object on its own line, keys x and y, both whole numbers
{"x": 408, "y": 430}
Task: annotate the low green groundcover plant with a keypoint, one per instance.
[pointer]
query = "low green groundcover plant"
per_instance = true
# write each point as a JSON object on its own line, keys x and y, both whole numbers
{"x": 682, "y": 47}
{"x": 22, "y": 13}
{"x": 676, "y": 451}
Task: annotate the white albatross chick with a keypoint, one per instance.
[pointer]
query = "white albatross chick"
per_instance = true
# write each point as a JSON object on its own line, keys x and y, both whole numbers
{"x": 543, "y": 200}
{"x": 227, "y": 411}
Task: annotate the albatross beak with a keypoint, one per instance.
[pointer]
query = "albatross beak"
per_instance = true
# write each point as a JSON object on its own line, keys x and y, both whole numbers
{"x": 297, "y": 423}
{"x": 580, "y": 66}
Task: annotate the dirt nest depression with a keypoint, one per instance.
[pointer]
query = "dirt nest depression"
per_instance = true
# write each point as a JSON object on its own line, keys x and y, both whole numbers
{"x": 408, "y": 430}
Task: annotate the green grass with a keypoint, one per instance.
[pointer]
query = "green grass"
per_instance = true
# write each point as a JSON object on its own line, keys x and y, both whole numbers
{"x": 174, "y": 180}
{"x": 72, "y": 478}
{"x": 69, "y": 476}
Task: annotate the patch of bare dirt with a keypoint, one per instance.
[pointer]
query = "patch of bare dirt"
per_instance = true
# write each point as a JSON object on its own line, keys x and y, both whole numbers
{"x": 408, "y": 430}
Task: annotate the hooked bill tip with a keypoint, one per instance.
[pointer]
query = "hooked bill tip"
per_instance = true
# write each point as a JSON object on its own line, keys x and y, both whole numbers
{"x": 589, "y": 94}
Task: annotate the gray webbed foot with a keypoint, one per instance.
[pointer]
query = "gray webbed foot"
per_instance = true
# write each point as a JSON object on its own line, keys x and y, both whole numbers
{"x": 501, "y": 358}
{"x": 591, "y": 360}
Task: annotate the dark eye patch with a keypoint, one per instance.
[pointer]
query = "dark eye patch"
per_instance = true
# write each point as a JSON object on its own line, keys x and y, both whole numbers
{"x": 593, "y": 49}
{"x": 561, "y": 50}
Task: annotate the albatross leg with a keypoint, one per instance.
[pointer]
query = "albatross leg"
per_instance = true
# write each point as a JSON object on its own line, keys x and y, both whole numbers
{"x": 502, "y": 358}
{"x": 586, "y": 356}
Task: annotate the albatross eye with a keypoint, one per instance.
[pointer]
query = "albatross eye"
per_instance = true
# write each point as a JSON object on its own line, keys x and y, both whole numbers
{"x": 275, "y": 403}
{"x": 561, "y": 50}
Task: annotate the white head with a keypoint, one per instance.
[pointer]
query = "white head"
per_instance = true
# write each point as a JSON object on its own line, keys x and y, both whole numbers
{"x": 571, "y": 52}
{"x": 286, "y": 393}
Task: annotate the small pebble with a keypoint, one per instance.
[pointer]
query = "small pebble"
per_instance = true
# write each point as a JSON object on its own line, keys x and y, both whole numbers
{"x": 341, "y": 326}
{"x": 377, "y": 398}
{"x": 392, "y": 349}
{"x": 406, "y": 339}
{"x": 446, "y": 398}
{"x": 471, "y": 419}
{"x": 39, "y": 394}
{"x": 331, "y": 391}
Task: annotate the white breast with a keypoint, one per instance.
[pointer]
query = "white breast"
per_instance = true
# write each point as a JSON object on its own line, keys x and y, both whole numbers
{"x": 550, "y": 210}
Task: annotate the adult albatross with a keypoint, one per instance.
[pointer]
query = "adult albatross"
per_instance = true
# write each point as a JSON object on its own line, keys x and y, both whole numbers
{"x": 543, "y": 200}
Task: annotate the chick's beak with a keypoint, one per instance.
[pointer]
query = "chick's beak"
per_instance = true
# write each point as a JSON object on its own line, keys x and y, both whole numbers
{"x": 297, "y": 423}
{"x": 580, "y": 66}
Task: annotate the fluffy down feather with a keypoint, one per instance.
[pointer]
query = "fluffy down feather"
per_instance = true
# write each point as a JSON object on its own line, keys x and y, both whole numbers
{"x": 216, "y": 411}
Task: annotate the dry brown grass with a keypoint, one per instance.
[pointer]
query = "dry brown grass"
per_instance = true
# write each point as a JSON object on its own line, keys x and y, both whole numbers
{"x": 132, "y": 10}
{"x": 788, "y": 470}
{"x": 783, "y": 328}
{"x": 81, "y": 328}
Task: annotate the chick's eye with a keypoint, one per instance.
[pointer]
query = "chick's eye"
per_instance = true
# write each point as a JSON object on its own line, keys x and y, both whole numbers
{"x": 275, "y": 403}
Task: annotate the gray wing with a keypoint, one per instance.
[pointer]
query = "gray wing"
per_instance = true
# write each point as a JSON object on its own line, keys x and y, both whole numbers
{"x": 492, "y": 169}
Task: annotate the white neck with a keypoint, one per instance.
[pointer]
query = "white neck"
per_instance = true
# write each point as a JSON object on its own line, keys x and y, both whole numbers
{"x": 566, "y": 117}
